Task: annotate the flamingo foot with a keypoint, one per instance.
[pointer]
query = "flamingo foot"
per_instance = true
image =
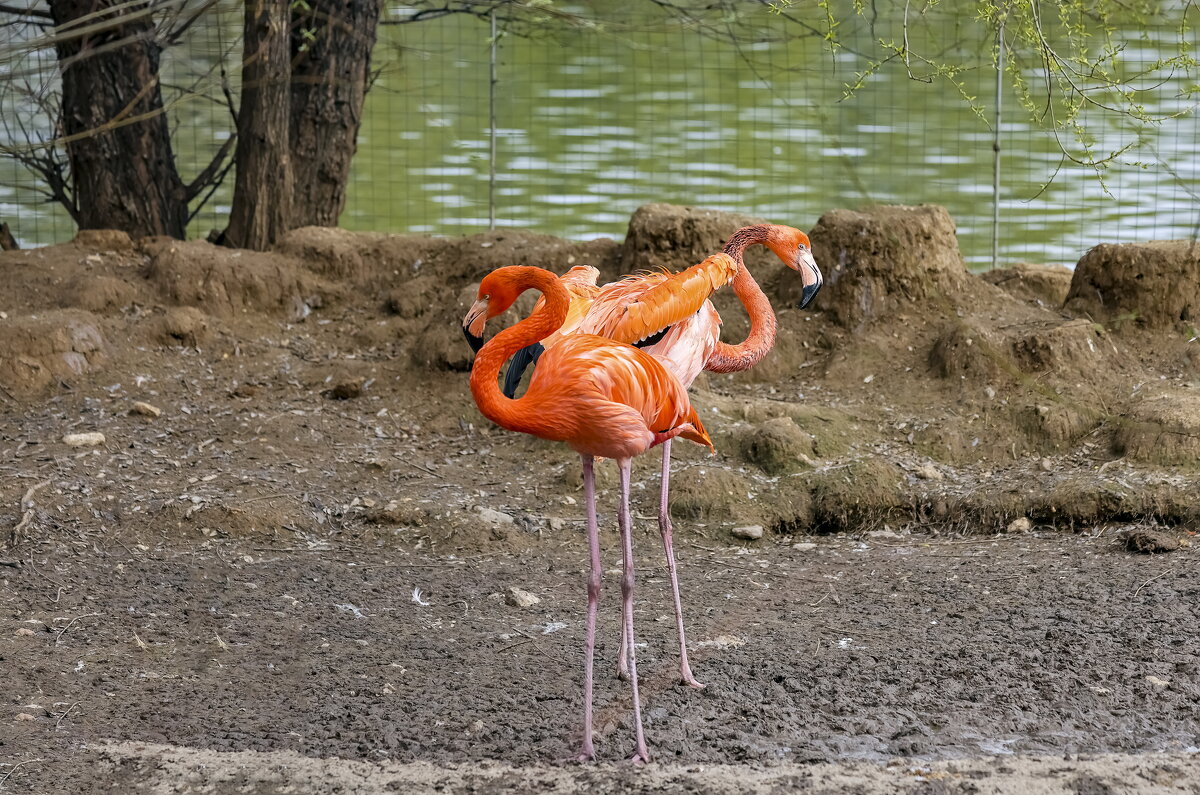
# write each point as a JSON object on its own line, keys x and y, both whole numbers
{"x": 587, "y": 753}
{"x": 640, "y": 758}
{"x": 690, "y": 681}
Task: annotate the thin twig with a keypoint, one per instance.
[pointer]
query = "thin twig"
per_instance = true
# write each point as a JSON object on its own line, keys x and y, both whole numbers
{"x": 63, "y": 631}
{"x": 1152, "y": 579}
{"x": 13, "y": 769}
{"x": 65, "y": 714}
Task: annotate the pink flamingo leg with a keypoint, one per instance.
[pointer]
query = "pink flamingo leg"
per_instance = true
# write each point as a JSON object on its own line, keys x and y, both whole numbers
{"x": 640, "y": 755}
{"x": 664, "y": 526}
{"x": 588, "y": 752}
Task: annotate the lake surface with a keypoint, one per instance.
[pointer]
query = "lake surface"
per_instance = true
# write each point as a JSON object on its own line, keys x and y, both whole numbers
{"x": 595, "y": 120}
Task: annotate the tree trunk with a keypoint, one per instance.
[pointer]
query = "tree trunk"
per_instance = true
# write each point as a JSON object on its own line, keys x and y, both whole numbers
{"x": 122, "y": 166}
{"x": 331, "y": 57}
{"x": 262, "y": 192}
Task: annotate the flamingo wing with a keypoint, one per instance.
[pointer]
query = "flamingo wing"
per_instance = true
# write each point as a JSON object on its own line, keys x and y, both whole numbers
{"x": 639, "y": 307}
{"x": 623, "y": 396}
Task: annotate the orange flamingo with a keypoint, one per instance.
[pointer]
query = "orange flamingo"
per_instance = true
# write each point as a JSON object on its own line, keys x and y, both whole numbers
{"x": 601, "y": 397}
{"x": 670, "y": 316}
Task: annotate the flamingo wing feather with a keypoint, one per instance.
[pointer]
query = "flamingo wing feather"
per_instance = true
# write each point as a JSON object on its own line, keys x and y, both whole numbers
{"x": 637, "y": 307}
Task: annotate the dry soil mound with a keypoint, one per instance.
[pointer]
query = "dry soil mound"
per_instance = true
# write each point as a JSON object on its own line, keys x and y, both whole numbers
{"x": 675, "y": 237}
{"x": 223, "y": 282}
{"x": 386, "y": 262}
{"x": 879, "y": 261}
{"x": 1162, "y": 429}
{"x": 1041, "y": 285}
{"x": 37, "y": 351}
{"x": 1156, "y": 285}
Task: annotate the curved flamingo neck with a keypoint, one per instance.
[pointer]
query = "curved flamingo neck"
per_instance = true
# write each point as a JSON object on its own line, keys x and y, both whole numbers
{"x": 735, "y": 358}
{"x": 516, "y": 415}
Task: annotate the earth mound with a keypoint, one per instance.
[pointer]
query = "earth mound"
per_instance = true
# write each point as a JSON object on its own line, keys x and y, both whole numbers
{"x": 1041, "y": 285}
{"x": 673, "y": 236}
{"x": 38, "y": 351}
{"x": 1154, "y": 285}
{"x": 223, "y": 282}
{"x": 878, "y": 261}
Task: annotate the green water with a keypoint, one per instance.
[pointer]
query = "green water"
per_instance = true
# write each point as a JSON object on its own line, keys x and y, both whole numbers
{"x": 591, "y": 123}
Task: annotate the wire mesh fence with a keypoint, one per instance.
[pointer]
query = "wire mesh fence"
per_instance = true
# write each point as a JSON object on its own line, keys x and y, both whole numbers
{"x": 566, "y": 120}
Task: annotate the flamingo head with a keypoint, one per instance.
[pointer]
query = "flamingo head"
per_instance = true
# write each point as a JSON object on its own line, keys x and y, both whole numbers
{"x": 794, "y": 248}
{"x": 497, "y": 292}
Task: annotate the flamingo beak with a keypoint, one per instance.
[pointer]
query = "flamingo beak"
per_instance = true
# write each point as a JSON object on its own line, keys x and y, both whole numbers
{"x": 810, "y": 275}
{"x": 474, "y": 322}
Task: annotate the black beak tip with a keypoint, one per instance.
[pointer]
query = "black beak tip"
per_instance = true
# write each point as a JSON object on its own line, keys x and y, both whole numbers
{"x": 809, "y": 294}
{"x": 474, "y": 341}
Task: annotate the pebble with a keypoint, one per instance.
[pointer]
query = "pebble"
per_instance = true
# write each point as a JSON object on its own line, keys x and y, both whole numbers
{"x": 145, "y": 409}
{"x": 722, "y": 642}
{"x": 520, "y": 598}
{"x": 24, "y": 632}
{"x": 1022, "y": 525}
{"x": 1047, "y": 465}
{"x": 1156, "y": 683}
{"x": 928, "y": 472}
{"x": 83, "y": 439}
{"x": 751, "y": 532}
{"x": 24, "y": 716}
{"x": 558, "y": 525}
{"x": 804, "y": 546}
{"x": 493, "y": 516}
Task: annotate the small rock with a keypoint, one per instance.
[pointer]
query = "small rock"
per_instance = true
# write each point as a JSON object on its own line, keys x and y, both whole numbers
{"x": 145, "y": 409}
{"x": 1022, "y": 525}
{"x": 928, "y": 472}
{"x": 750, "y": 532}
{"x": 24, "y": 632}
{"x": 804, "y": 546}
{"x": 83, "y": 439}
{"x": 519, "y": 598}
{"x": 494, "y": 517}
{"x": 1047, "y": 465}
{"x": 991, "y": 393}
{"x": 558, "y": 525}
{"x": 347, "y": 390}
{"x": 1149, "y": 541}
{"x": 1158, "y": 684}
{"x": 868, "y": 379}
{"x": 883, "y": 534}
{"x": 22, "y": 716}
{"x": 722, "y": 642}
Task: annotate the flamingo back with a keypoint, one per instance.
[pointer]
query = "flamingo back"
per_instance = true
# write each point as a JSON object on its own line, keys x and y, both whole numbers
{"x": 580, "y": 282}
{"x": 624, "y": 399}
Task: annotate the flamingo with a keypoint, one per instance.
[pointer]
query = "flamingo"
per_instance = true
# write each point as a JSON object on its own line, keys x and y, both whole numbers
{"x": 601, "y": 397}
{"x": 670, "y": 316}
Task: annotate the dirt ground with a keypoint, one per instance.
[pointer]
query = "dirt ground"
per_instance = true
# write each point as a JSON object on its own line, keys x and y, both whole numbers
{"x": 284, "y": 567}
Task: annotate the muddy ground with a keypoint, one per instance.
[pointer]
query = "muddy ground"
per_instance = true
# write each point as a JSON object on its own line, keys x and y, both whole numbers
{"x": 287, "y": 568}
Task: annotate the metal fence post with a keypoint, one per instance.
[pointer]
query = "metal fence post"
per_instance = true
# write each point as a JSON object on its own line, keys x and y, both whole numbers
{"x": 996, "y": 143}
{"x": 492, "y": 131}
